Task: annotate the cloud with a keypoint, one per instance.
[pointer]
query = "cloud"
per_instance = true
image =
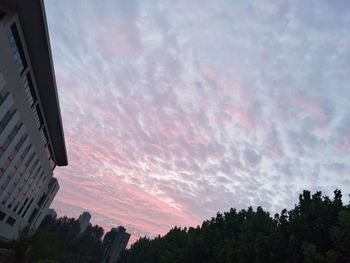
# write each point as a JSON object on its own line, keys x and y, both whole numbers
{"x": 173, "y": 112}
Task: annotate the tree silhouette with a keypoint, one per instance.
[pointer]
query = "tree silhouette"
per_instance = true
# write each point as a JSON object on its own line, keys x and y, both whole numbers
{"x": 317, "y": 229}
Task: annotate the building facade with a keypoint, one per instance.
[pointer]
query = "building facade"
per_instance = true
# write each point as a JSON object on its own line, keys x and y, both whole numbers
{"x": 114, "y": 242}
{"x": 31, "y": 133}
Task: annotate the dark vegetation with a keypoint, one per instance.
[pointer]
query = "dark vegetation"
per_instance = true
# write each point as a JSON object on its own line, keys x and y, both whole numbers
{"x": 316, "y": 230}
{"x": 59, "y": 240}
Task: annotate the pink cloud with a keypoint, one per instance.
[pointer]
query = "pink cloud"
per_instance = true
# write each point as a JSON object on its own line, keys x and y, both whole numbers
{"x": 117, "y": 38}
{"x": 124, "y": 203}
{"x": 311, "y": 107}
{"x": 344, "y": 145}
{"x": 242, "y": 117}
{"x": 157, "y": 132}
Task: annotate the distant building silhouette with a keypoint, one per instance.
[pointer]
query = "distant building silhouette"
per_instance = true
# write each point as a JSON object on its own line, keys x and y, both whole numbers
{"x": 51, "y": 212}
{"x": 114, "y": 242}
{"x": 84, "y": 221}
{"x": 31, "y": 132}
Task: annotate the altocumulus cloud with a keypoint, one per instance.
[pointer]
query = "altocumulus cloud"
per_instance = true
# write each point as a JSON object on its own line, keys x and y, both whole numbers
{"x": 174, "y": 110}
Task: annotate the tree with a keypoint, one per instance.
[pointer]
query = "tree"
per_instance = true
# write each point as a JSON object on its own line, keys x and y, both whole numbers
{"x": 317, "y": 229}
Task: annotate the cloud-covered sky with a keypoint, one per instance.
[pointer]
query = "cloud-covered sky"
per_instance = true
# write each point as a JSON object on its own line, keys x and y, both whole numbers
{"x": 174, "y": 110}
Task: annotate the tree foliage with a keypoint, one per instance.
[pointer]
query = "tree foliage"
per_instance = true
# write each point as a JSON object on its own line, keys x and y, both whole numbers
{"x": 317, "y": 229}
{"x": 60, "y": 240}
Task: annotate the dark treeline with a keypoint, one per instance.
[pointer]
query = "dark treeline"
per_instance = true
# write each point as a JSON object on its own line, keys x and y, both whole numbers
{"x": 316, "y": 230}
{"x": 59, "y": 240}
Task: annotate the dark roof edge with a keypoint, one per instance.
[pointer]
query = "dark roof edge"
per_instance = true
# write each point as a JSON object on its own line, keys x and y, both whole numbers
{"x": 61, "y": 160}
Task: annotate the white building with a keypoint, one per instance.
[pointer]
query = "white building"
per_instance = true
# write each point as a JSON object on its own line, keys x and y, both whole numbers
{"x": 84, "y": 221}
{"x": 31, "y": 133}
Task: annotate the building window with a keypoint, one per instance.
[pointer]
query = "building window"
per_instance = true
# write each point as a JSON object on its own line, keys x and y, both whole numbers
{"x": 43, "y": 135}
{"x": 9, "y": 140}
{"x": 12, "y": 154}
{"x": 24, "y": 204}
{"x": 2, "y": 215}
{"x": 38, "y": 116}
{"x": 30, "y": 159}
{"x": 20, "y": 142}
{"x": 14, "y": 131}
{"x": 16, "y": 207}
{"x": 33, "y": 213}
{"x": 29, "y": 89}
{"x": 42, "y": 199}
{"x": 11, "y": 221}
{"x": 6, "y": 119}
{"x": 5, "y": 183}
{"x": 5, "y": 166}
{"x": 26, "y": 150}
{"x": 17, "y": 164}
{"x": 6, "y": 144}
{"x": 17, "y": 48}
{"x": 12, "y": 172}
{"x": 3, "y": 95}
{"x": 7, "y": 196}
{"x": 6, "y": 163}
{"x": 31, "y": 170}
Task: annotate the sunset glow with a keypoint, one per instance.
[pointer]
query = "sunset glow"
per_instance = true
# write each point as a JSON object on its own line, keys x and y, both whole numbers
{"x": 174, "y": 110}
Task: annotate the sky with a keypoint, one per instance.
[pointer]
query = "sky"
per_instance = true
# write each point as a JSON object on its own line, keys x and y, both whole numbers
{"x": 174, "y": 110}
